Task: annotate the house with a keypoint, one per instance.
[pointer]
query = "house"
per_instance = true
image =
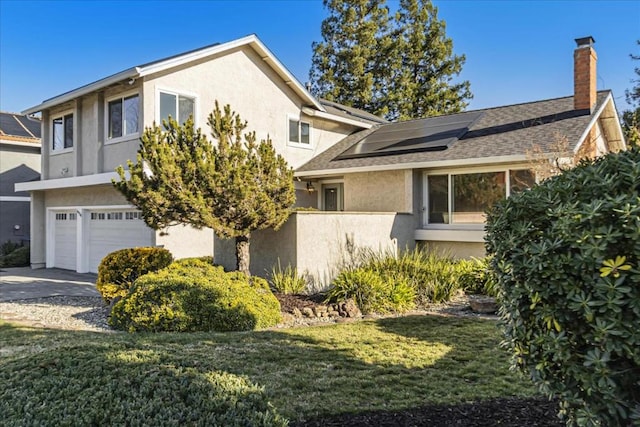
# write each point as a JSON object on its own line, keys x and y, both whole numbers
{"x": 77, "y": 215}
{"x": 428, "y": 182}
{"x": 372, "y": 184}
{"x": 19, "y": 161}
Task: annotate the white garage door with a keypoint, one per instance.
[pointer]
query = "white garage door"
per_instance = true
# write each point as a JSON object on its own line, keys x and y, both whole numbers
{"x": 65, "y": 246}
{"x": 113, "y": 230}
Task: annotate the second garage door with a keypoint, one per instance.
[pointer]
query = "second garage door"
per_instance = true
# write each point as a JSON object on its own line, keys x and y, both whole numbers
{"x": 113, "y": 230}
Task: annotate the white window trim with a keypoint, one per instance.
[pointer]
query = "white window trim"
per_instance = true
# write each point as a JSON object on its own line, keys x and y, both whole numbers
{"x": 449, "y": 173}
{"x": 176, "y": 92}
{"x": 129, "y": 137}
{"x": 58, "y": 115}
{"x": 290, "y": 143}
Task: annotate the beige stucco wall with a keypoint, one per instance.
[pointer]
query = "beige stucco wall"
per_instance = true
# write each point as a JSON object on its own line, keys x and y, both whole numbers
{"x": 243, "y": 80}
{"x": 38, "y": 230}
{"x": 184, "y": 241}
{"x": 95, "y": 195}
{"x": 388, "y": 191}
{"x": 14, "y": 155}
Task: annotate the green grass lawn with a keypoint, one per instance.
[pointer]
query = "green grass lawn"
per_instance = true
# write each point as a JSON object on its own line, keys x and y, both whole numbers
{"x": 385, "y": 364}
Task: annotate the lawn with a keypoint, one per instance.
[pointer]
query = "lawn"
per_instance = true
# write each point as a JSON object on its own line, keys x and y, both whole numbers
{"x": 305, "y": 373}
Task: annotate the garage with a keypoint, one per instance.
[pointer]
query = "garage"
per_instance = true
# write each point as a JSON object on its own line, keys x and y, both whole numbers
{"x": 65, "y": 246}
{"x": 111, "y": 230}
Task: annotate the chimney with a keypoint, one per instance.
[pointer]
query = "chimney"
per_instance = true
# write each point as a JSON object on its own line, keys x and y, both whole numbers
{"x": 584, "y": 74}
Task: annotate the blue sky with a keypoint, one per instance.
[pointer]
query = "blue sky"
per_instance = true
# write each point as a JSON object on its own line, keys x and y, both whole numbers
{"x": 517, "y": 51}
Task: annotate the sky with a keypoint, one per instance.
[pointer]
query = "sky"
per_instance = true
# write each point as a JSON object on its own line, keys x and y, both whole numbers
{"x": 516, "y": 51}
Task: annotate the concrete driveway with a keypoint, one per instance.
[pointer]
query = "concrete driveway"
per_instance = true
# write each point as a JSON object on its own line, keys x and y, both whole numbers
{"x": 25, "y": 283}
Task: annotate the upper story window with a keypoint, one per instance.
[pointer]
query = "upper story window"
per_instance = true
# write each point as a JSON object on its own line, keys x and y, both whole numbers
{"x": 178, "y": 106}
{"x": 464, "y": 198}
{"x": 299, "y": 131}
{"x": 124, "y": 114}
{"x": 62, "y": 132}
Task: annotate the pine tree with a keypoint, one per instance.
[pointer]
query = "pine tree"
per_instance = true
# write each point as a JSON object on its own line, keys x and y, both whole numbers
{"x": 233, "y": 185}
{"x": 346, "y": 65}
{"x": 401, "y": 68}
{"x": 631, "y": 118}
{"x": 423, "y": 86}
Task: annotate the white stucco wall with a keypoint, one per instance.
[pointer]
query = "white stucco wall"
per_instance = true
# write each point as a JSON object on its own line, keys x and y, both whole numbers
{"x": 243, "y": 80}
{"x": 184, "y": 241}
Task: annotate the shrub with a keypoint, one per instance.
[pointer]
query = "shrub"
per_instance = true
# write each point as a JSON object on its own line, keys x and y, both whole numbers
{"x": 567, "y": 262}
{"x": 475, "y": 276}
{"x": 373, "y": 292}
{"x": 7, "y": 247}
{"x": 196, "y": 299}
{"x": 118, "y": 270}
{"x": 19, "y": 257}
{"x": 287, "y": 281}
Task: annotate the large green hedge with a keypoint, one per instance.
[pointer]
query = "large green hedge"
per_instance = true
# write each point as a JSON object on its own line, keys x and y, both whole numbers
{"x": 567, "y": 260}
{"x": 196, "y": 296}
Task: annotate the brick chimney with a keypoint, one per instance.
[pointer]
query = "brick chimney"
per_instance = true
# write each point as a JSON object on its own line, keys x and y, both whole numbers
{"x": 584, "y": 74}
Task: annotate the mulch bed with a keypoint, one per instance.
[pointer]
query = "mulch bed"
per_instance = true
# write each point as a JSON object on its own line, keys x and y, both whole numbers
{"x": 504, "y": 412}
{"x": 289, "y": 302}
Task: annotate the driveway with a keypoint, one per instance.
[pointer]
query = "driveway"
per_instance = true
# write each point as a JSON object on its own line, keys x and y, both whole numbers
{"x": 25, "y": 283}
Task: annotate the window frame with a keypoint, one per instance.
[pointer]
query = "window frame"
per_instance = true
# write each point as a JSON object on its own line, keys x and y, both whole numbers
{"x": 299, "y": 144}
{"x": 62, "y": 115}
{"x": 449, "y": 174}
{"x": 177, "y": 94}
{"x": 107, "y": 119}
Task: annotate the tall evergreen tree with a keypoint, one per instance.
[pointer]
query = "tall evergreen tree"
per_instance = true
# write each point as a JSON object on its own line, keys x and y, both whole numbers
{"x": 423, "y": 86}
{"x": 400, "y": 68}
{"x": 233, "y": 185}
{"x": 631, "y": 118}
{"x": 347, "y": 64}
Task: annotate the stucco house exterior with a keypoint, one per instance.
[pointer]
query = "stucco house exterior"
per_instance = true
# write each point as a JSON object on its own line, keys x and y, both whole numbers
{"x": 78, "y": 217}
{"x": 369, "y": 183}
{"x": 19, "y": 162}
{"x": 428, "y": 182}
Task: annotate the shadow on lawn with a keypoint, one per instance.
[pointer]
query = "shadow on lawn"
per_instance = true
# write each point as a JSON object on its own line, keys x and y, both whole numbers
{"x": 313, "y": 374}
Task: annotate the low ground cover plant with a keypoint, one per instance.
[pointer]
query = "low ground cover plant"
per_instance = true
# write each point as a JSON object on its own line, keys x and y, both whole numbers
{"x": 250, "y": 378}
{"x": 118, "y": 270}
{"x": 193, "y": 295}
{"x": 567, "y": 262}
{"x": 287, "y": 280}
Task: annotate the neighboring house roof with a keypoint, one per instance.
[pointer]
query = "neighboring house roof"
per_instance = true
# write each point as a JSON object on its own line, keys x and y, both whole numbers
{"x": 18, "y": 128}
{"x": 497, "y": 134}
{"x": 333, "y": 111}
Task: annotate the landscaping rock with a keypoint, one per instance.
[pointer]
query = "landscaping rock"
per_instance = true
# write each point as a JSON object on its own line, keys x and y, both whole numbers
{"x": 308, "y": 312}
{"x": 483, "y": 304}
{"x": 349, "y": 309}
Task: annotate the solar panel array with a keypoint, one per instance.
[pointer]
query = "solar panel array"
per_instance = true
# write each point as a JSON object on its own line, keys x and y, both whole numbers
{"x": 14, "y": 125}
{"x": 431, "y": 134}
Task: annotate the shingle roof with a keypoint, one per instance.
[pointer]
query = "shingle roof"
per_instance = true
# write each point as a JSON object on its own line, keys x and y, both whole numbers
{"x": 501, "y": 131}
{"x": 19, "y": 128}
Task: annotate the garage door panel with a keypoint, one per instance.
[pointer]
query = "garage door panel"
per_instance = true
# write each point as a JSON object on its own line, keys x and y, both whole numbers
{"x": 113, "y": 230}
{"x": 65, "y": 242}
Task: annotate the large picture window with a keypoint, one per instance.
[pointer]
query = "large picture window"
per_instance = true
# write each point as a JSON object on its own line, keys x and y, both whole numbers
{"x": 179, "y": 107}
{"x": 62, "y": 132}
{"x": 464, "y": 198}
{"x": 123, "y": 116}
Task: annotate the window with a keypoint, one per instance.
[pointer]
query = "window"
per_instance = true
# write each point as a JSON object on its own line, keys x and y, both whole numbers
{"x": 62, "y": 132}
{"x": 464, "y": 198}
{"x": 299, "y": 132}
{"x": 123, "y": 116}
{"x": 179, "y": 107}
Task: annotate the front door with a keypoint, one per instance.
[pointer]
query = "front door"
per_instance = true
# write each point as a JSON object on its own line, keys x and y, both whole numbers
{"x": 331, "y": 198}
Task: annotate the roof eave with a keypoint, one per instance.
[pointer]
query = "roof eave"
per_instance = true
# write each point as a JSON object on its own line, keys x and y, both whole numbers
{"x": 475, "y": 161}
{"x": 594, "y": 118}
{"x": 84, "y": 90}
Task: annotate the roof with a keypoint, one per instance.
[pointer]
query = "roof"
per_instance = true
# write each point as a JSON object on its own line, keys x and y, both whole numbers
{"x": 181, "y": 59}
{"x": 19, "y": 128}
{"x": 499, "y": 132}
{"x": 350, "y": 112}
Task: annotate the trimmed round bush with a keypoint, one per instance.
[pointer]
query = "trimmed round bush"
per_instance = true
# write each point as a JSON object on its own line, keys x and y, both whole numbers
{"x": 187, "y": 299}
{"x": 119, "y": 385}
{"x": 118, "y": 270}
{"x": 567, "y": 262}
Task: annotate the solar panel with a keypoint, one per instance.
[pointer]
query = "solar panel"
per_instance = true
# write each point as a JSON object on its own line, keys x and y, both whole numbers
{"x": 10, "y": 126}
{"x": 431, "y": 134}
{"x": 32, "y": 125}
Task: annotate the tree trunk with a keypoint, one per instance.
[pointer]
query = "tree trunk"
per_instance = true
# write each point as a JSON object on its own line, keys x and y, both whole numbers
{"x": 242, "y": 254}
